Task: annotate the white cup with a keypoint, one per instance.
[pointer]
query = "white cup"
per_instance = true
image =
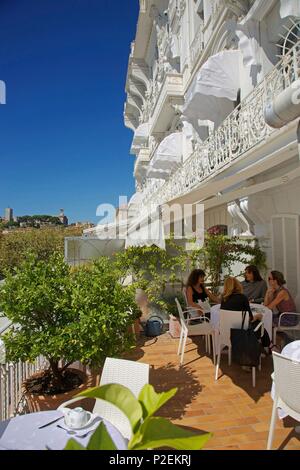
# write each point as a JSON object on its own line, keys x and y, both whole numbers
{"x": 76, "y": 418}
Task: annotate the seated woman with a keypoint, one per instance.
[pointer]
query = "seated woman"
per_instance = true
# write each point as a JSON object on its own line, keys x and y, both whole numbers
{"x": 278, "y": 297}
{"x": 254, "y": 287}
{"x": 234, "y": 299}
{"x": 196, "y": 290}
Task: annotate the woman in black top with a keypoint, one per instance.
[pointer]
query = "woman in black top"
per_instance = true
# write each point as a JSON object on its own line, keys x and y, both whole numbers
{"x": 196, "y": 290}
{"x": 234, "y": 299}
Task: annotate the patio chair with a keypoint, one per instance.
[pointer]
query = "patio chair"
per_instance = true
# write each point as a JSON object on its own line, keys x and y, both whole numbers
{"x": 282, "y": 328}
{"x": 131, "y": 374}
{"x": 286, "y": 379}
{"x": 228, "y": 319}
{"x": 202, "y": 328}
{"x": 192, "y": 310}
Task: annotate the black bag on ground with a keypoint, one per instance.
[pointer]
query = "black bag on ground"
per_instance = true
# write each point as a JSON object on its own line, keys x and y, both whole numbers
{"x": 246, "y": 348}
{"x": 154, "y": 326}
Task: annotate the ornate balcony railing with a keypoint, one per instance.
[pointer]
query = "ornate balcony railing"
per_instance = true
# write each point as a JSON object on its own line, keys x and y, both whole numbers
{"x": 12, "y": 376}
{"x": 242, "y": 130}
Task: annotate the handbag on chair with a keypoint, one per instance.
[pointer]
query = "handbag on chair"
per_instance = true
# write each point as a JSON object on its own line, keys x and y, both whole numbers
{"x": 246, "y": 347}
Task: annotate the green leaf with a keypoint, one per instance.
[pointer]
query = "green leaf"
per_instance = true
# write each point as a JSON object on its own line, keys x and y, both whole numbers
{"x": 152, "y": 401}
{"x": 101, "y": 440}
{"x": 74, "y": 445}
{"x": 159, "y": 432}
{"x": 119, "y": 396}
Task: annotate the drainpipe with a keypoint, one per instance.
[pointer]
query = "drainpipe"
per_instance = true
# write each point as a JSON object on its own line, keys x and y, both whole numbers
{"x": 285, "y": 107}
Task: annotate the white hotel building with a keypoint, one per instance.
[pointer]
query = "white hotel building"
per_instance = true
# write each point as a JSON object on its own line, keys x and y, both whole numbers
{"x": 213, "y": 102}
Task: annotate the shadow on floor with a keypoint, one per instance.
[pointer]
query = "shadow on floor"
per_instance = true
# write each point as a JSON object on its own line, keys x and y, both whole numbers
{"x": 188, "y": 387}
{"x": 239, "y": 377}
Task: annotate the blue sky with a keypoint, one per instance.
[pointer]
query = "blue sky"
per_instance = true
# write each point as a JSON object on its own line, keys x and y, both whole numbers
{"x": 63, "y": 143}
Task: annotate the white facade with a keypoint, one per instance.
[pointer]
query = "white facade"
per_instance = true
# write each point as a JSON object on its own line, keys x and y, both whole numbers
{"x": 224, "y": 75}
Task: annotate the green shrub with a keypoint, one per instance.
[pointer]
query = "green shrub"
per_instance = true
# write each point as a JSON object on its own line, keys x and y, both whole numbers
{"x": 81, "y": 314}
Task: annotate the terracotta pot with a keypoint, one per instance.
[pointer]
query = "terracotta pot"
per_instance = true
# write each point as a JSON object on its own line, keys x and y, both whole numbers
{"x": 36, "y": 403}
{"x": 174, "y": 327}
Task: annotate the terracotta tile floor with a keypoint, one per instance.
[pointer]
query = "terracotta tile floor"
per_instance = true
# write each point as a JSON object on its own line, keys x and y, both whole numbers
{"x": 237, "y": 414}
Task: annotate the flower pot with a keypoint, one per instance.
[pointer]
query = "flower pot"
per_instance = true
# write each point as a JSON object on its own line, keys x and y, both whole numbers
{"x": 36, "y": 403}
{"x": 174, "y": 327}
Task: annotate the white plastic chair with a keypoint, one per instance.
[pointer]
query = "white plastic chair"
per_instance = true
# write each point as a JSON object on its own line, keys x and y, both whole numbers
{"x": 283, "y": 328}
{"x": 131, "y": 374}
{"x": 286, "y": 379}
{"x": 229, "y": 319}
{"x": 203, "y": 328}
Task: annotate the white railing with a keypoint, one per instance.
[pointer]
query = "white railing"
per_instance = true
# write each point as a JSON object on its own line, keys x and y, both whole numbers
{"x": 12, "y": 376}
{"x": 242, "y": 130}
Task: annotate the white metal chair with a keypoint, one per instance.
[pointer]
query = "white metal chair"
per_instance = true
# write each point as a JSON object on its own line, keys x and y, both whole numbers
{"x": 283, "y": 328}
{"x": 228, "y": 319}
{"x": 131, "y": 374}
{"x": 286, "y": 379}
{"x": 192, "y": 310}
{"x": 203, "y": 328}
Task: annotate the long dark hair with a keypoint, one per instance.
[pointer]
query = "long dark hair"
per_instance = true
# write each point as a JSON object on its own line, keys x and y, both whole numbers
{"x": 254, "y": 270}
{"x": 279, "y": 277}
{"x": 194, "y": 276}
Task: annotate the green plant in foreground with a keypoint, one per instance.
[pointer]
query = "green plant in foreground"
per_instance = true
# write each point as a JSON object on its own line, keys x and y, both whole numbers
{"x": 148, "y": 432}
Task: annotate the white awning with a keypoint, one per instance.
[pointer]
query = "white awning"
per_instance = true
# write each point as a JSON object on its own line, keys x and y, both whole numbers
{"x": 168, "y": 155}
{"x": 214, "y": 88}
{"x": 141, "y": 135}
{"x": 148, "y": 230}
{"x": 158, "y": 174}
{"x": 289, "y": 8}
{"x": 248, "y": 34}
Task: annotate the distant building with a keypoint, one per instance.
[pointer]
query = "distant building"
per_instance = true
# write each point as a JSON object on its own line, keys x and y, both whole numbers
{"x": 8, "y": 214}
{"x": 63, "y": 218}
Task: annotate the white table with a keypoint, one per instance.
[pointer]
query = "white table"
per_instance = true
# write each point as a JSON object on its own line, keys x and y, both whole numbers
{"x": 256, "y": 308}
{"x": 23, "y": 433}
{"x": 292, "y": 351}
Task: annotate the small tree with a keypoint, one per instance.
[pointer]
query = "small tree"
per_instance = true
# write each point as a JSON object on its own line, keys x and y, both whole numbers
{"x": 220, "y": 253}
{"x": 62, "y": 313}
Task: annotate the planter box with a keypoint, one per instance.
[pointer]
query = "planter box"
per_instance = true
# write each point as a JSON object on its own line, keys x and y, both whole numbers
{"x": 174, "y": 327}
{"x": 36, "y": 403}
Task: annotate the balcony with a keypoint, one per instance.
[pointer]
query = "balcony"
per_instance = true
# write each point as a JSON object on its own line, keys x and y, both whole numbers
{"x": 241, "y": 131}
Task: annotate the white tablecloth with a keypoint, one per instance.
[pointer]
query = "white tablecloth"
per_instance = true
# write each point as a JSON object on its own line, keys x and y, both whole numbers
{"x": 23, "y": 433}
{"x": 256, "y": 308}
{"x": 292, "y": 351}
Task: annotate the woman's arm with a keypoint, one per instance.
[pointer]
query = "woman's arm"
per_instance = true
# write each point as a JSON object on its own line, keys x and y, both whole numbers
{"x": 279, "y": 297}
{"x": 191, "y": 303}
{"x": 269, "y": 296}
{"x": 214, "y": 298}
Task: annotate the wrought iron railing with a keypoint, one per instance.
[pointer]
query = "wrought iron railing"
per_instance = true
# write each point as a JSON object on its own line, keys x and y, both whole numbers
{"x": 242, "y": 130}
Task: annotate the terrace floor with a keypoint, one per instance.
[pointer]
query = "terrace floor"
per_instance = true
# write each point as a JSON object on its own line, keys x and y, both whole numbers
{"x": 237, "y": 414}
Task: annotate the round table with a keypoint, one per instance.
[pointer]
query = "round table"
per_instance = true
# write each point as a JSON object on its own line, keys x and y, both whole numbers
{"x": 256, "y": 308}
{"x": 23, "y": 433}
{"x": 292, "y": 351}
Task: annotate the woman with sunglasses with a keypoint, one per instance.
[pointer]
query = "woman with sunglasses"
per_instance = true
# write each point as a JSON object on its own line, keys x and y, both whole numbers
{"x": 278, "y": 298}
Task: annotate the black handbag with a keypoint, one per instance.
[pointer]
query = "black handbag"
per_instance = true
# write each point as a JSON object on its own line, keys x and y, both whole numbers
{"x": 246, "y": 347}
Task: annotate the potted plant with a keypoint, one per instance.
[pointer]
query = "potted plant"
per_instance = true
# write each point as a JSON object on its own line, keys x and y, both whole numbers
{"x": 148, "y": 431}
{"x": 65, "y": 315}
